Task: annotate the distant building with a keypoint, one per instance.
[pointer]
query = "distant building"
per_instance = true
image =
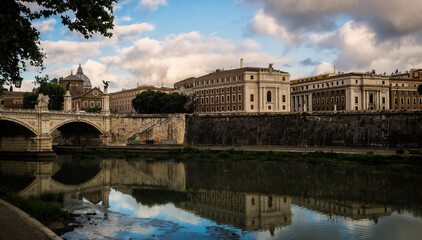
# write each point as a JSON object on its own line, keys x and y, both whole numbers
{"x": 84, "y": 97}
{"x": 12, "y": 99}
{"x": 88, "y": 100}
{"x": 404, "y": 90}
{"x": 121, "y": 102}
{"x": 242, "y": 90}
{"x": 343, "y": 91}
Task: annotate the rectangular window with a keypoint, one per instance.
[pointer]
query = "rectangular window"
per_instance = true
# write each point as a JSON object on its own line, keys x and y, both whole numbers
{"x": 251, "y": 107}
{"x": 212, "y": 100}
{"x": 240, "y": 88}
{"x": 284, "y": 98}
{"x": 216, "y": 99}
{"x": 222, "y": 90}
{"x": 206, "y": 100}
{"x": 227, "y": 91}
{"x": 202, "y": 100}
{"x": 216, "y": 90}
{"x": 240, "y": 108}
{"x": 228, "y": 108}
{"x": 222, "y": 108}
{"x": 395, "y": 101}
{"x": 402, "y": 101}
{"x": 228, "y": 99}
{"x": 356, "y": 99}
{"x": 252, "y": 98}
{"x": 239, "y": 97}
{"x": 212, "y": 91}
{"x": 383, "y": 100}
{"x": 217, "y": 109}
{"x": 233, "y": 98}
{"x": 222, "y": 99}
{"x": 414, "y": 101}
{"x": 234, "y": 108}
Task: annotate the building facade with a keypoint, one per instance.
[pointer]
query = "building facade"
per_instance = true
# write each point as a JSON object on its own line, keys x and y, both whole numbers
{"x": 88, "y": 100}
{"x": 404, "y": 90}
{"x": 346, "y": 91}
{"x": 121, "y": 102}
{"x": 11, "y": 99}
{"x": 242, "y": 90}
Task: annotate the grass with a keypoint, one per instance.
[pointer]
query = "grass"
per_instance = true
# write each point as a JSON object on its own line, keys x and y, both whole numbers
{"x": 45, "y": 212}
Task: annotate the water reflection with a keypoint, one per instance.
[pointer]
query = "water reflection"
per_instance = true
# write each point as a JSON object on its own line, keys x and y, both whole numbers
{"x": 218, "y": 199}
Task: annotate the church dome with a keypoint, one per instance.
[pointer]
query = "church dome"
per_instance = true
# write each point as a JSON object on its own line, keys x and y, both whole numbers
{"x": 80, "y": 74}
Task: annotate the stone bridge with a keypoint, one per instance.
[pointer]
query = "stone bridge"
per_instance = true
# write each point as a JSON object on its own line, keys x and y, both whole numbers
{"x": 24, "y": 130}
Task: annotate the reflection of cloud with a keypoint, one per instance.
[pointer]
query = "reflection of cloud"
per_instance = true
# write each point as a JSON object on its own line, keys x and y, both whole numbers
{"x": 171, "y": 212}
{"x": 120, "y": 202}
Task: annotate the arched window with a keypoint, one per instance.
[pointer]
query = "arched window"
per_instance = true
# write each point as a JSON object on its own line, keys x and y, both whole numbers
{"x": 269, "y": 96}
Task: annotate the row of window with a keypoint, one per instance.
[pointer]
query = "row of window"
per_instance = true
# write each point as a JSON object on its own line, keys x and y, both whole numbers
{"x": 336, "y": 83}
{"x": 220, "y": 80}
{"x": 92, "y": 104}
{"x": 209, "y": 100}
{"x": 327, "y": 101}
{"x": 415, "y": 102}
{"x": 218, "y": 90}
{"x": 328, "y": 92}
{"x": 227, "y": 108}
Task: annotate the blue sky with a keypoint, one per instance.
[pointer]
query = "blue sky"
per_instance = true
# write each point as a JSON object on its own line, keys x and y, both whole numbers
{"x": 163, "y": 41}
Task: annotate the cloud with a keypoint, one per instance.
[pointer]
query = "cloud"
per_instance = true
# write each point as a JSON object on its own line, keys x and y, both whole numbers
{"x": 152, "y": 5}
{"x": 185, "y": 55}
{"x": 389, "y": 18}
{"x": 124, "y": 19}
{"x": 308, "y": 62}
{"x": 129, "y": 32}
{"x": 62, "y": 52}
{"x": 359, "y": 50}
{"x": 323, "y": 68}
{"x": 263, "y": 24}
{"x": 44, "y": 26}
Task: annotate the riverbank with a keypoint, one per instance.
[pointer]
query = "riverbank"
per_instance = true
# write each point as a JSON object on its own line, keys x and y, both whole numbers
{"x": 322, "y": 155}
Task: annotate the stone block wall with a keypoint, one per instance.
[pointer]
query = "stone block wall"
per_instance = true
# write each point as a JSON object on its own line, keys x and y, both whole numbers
{"x": 372, "y": 129}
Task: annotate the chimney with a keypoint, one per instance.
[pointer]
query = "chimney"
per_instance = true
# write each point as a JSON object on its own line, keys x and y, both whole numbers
{"x": 241, "y": 63}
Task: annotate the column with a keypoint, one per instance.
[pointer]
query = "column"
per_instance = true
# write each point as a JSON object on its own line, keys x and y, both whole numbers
{"x": 105, "y": 105}
{"x": 67, "y": 102}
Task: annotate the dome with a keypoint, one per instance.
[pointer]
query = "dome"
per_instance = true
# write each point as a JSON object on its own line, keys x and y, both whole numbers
{"x": 80, "y": 74}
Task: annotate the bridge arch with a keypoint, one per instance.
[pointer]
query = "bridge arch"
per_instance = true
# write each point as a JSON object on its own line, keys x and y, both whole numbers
{"x": 98, "y": 128}
{"x": 17, "y": 122}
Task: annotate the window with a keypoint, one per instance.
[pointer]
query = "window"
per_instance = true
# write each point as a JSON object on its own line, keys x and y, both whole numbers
{"x": 85, "y": 104}
{"x": 216, "y": 90}
{"x": 414, "y": 101}
{"x": 402, "y": 101}
{"x": 252, "y": 107}
{"x": 408, "y": 101}
{"x": 234, "y": 108}
{"x": 233, "y": 98}
{"x": 222, "y": 90}
{"x": 395, "y": 101}
{"x": 207, "y": 92}
{"x": 342, "y": 99}
{"x": 284, "y": 98}
{"x": 222, "y": 99}
{"x": 92, "y": 104}
{"x": 239, "y": 97}
{"x": 202, "y": 100}
{"x": 251, "y": 77}
{"x": 356, "y": 108}
{"x": 233, "y": 89}
{"x": 240, "y": 108}
{"x": 252, "y": 98}
{"x": 356, "y": 99}
{"x": 228, "y": 90}
{"x": 228, "y": 108}
{"x": 222, "y": 108}
{"x": 228, "y": 100}
{"x": 216, "y": 99}
{"x": 212, "y": 91}
{"x": 212, "y": 100}
{"x": 217, "y": 108}
{"x": 383, "y": 100}
{"x": 99, "y": 104}
{"x": 269, "y": 96}
{"x": 371, "y": 98}
{"x": 240, "y": 88}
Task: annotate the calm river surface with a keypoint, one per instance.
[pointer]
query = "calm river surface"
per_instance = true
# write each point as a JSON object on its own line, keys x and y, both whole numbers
{"x": 142, "y": 198}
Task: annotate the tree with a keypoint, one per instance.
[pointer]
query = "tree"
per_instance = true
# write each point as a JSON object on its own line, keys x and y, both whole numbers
{"x": 160, "y": 102}
{"x": 48, "y": 87}
{"x": 20, "y": 41}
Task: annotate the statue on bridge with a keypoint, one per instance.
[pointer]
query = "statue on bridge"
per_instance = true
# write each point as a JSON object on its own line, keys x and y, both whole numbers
{"x": 106, "y": 83}
{"x": 42, "y": 102}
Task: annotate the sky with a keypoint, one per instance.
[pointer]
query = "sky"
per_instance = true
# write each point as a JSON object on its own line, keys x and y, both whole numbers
{"x": 160, "y": 42}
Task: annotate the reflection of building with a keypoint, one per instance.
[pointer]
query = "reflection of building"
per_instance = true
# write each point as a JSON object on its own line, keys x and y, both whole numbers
{"x": 121, "y": 102}
{"x": 246, "y": 89}
{"x": 84, "y": 97}
{"x": 244, "y": 210}
{"x": 11, "y": 99}
{"x": 346, "y": 91}
{"x": 404, "y": 90}
{"x": 351, "y": 209}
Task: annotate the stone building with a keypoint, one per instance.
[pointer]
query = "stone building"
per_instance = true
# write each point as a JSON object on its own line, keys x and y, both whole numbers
{"x": 88, "y": 100}
{"x": 121, "y": 101}
{"x": 11, "y": 99}
{"x": 343, "y": 91}
{"x": 84, "y": 97}
{"x": 246, "y": 89}
{"x": 404, "y": 90}
{"x": 185, "y": 86}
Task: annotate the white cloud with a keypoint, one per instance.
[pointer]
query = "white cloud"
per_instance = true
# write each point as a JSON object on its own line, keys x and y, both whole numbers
{"x": 189, "y": 54}
{"x": 323, "y": 68}
{"x": 152, "y": 5}
{"x": 266, "y": 25}
{"x": 129, "y": 32}
{"x": 44, "y": 26}
{"x": 63, "y": 52}
{"x": 124, "y": 19}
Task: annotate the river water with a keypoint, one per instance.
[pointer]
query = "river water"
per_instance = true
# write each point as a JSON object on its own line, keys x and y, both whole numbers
{"x": 143, "y": 198}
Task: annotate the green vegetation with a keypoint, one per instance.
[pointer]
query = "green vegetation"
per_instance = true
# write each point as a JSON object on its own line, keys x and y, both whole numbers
{"x": 48, "y": 87}
{"x": 45, "y": 212}
{"x": 160, "y": 102}
{"x": 20, "y": 41}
